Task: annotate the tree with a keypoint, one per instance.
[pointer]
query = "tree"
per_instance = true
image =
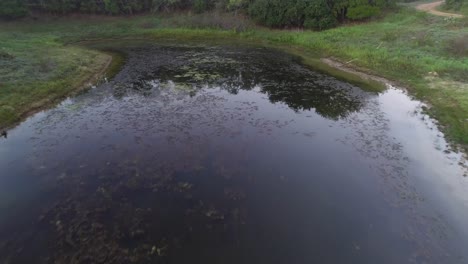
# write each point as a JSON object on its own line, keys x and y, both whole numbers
{"x": 319, "y": 16}
{"x": 362, "y": 9}
{"x": 90, "y": 7}
{"x": 454, "y": 4}
{"x": 235, "y": 5}
{"x": 200, "y": 6}
{"x": 11, "y": 9}
{"x": 313, "y": 14}
{"x": 111, "y": 7}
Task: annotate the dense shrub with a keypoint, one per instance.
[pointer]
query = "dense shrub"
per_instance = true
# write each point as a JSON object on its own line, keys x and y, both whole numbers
{"x": 11, "y": 9}
{"x": 200, "y": 6}
{"x": 454, "y": 4}
{"x": 314, "y": 14}
{"x": 319, "y": 16}
{"x": 5, "y": 55}
{"x": 275, "y": 13}
{"x": 214, "y": 20}
{"x": 362, "y": 12}
{"x": 111, "y": 7}
{"x": 170, "y": 5}
{"x": 293, "y": 13}
{"x": 234, "y": 5}
{"x": 458, "y": 46}
{"x": 90, "y": 7}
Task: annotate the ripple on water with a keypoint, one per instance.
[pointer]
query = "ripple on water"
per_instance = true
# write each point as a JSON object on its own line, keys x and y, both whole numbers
{"x": 234, "y": 155}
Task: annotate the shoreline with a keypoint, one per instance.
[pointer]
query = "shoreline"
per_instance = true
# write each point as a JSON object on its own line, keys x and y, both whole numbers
{"x": 329, "y": 66}
{"x": 49, "y": 103}
{"x": 364, "y": 78}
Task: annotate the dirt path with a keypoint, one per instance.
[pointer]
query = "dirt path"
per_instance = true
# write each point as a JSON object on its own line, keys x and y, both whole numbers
{"x": 432, "y": 9}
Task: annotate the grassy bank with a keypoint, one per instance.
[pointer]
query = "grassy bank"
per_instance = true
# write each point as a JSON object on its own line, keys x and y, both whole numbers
{"x": 37, "y": 72}
{"x": 42, "y": 60}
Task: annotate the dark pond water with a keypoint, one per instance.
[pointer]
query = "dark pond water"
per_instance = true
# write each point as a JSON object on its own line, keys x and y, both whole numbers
{"x": 230, "y": 155}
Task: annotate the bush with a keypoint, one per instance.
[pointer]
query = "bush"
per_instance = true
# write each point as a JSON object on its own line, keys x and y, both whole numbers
{"x": 458, "y": 46}
{"x": 423, "y": 38}
{"x": 362, "y": 12}
{"x": 200, "y": 6}
{"x": 11, "y": 9}
{"x": 234, "y": 5}
{"x": 170, "y": 5}
{"x": 316, "y": 14}
{"x": 453, "y": 4}
{"x": 319, "y": 16}
{"x": 209, "y": 20}
{"x": 294, "y": 13}
{"x": 390, "y": 36}
{"x": 269, "y": 12}
{"x": 6, "y": 56}
{"x": 111, "y": 7}
{"x": 90, "y": 7}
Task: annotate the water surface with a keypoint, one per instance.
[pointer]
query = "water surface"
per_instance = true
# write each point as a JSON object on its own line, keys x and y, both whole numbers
{"x": 230, "y": 155}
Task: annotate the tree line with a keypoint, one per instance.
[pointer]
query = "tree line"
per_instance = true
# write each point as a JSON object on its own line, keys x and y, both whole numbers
{"x": 316, "y": 14}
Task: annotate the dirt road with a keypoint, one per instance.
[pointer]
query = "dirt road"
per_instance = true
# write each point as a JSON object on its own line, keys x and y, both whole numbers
{"x": 432, "y": 9}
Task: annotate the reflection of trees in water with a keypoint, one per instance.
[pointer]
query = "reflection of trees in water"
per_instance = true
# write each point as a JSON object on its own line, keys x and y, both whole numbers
{"x": 147, "y": 211}
{"x": 279, "y": 76}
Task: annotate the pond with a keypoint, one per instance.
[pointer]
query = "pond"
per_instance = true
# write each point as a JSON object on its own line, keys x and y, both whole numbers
{"x": 228, "y": 154}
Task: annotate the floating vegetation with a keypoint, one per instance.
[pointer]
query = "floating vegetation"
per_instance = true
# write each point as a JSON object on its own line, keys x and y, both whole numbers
{"x": 196, "y": 154}
{"x": 126, "y": 213}
{"x": 190, "y": 69}
{"x": 125, "y": 220}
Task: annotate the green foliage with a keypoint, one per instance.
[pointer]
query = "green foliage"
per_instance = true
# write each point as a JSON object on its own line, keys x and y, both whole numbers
{"x": 404, "y": 46}
{"x": 170, "y": 5}
{"x": 200, "y": 6}
{"x": 60, "y": 6}
{"x": 319, "y": 16}
{"x": 11, "y": 9}
{"x": 111, "y": 7}
{"x": 278, "y": 13}
{"x": 89, "y": 7}
{"x": 454, "y": 4}
{"x": 237, "y": 4}
{"x": 458, "y": 46}
{"x": 362, "y": 12}
{"x": 269, "y": 12}
{"x": 314, "y": 14}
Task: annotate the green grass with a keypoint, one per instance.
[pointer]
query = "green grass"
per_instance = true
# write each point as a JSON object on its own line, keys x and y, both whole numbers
{"x": 38, "y": 71}
{"x": 45, "y": 59}
{"x": 463, "y": 10}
